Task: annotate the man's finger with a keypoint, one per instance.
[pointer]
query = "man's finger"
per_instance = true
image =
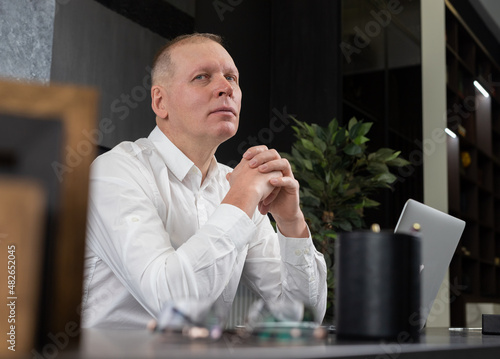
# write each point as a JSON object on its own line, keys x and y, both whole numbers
{"x": 263, "y": 209}
{"x": 252, "y": 151}
{"x": 272, "y": 196}
{"x": 264, "y": 157}
{"x": 281, "y": 164}
{"x": 286, "y": 182}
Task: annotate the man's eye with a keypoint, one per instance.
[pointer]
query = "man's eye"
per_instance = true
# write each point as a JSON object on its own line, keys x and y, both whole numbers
{"x": 230, "y": 77}
{"x": 200, "y": 77}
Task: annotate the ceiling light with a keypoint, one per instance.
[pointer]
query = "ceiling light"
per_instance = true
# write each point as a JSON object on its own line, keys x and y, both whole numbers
{"x": 450, "y": 133}
{"x": 481, "y": 89}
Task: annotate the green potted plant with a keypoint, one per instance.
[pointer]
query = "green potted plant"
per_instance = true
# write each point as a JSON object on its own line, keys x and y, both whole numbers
{"x": 338, "y": 177}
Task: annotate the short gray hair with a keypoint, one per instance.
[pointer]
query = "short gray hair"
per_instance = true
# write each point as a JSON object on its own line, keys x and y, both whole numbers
{"x": 162, "y": 62}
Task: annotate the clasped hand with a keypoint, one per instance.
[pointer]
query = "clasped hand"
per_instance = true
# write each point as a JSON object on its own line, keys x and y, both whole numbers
{"x": 269, "y": 177}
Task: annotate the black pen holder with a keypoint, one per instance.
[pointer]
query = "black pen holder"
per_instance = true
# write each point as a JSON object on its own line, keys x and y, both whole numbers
{"x": 377, "y": 290}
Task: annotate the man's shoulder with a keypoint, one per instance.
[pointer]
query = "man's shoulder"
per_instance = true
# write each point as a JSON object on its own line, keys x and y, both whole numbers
{"x": 125, "y": 154}
{"x": 131, "y": 148}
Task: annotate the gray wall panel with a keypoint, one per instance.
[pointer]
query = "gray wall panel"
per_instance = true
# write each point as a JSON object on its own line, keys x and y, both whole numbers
{"x": 26, "y": 29}
{"x": 95, "y": 46}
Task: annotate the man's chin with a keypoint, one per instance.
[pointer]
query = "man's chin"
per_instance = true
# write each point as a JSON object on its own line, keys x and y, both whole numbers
{"x": 227, "y": 130}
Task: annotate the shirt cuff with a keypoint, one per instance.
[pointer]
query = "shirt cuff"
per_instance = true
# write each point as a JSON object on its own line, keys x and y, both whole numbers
{"x": 238, "y": 227}
{"x": 296, "y": 250}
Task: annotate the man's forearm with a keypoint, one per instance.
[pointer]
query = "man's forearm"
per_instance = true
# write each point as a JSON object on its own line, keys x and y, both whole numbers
{"x": 243, "y": 200}
{"x": 296, "y": 228}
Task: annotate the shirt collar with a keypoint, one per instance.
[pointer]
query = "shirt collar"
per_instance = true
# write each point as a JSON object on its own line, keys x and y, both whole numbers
{"x": 175, "y": 160}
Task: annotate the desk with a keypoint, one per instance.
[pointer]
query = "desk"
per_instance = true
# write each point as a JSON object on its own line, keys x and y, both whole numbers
{"x": 435, "y": 343}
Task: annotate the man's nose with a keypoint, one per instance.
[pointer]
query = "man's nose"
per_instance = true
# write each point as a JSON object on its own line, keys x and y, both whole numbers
{"x": 223, "y": 87}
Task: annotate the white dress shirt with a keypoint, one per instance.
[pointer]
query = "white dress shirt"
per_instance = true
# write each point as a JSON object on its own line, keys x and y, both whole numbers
{"x": 156, "y": 234}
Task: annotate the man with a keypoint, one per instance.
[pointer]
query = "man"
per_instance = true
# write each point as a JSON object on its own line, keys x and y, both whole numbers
{"x": 167, "y": 222}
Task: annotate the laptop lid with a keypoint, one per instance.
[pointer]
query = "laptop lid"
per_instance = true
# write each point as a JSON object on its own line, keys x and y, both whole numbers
{"x": 440, "y": 233}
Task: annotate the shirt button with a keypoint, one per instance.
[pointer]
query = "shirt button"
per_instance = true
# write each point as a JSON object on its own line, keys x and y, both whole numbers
{"x": 298, "y": 252}
{"x": 134, "y": 219}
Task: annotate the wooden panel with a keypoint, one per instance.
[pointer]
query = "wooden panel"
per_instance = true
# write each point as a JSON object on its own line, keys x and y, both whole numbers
{"x": 22, "y": 217}
{"x": 76, "y": 109}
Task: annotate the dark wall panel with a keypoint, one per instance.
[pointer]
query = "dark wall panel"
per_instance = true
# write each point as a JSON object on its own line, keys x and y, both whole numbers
{"x": 96, "y": 46}
{"x": 288, "y": 56}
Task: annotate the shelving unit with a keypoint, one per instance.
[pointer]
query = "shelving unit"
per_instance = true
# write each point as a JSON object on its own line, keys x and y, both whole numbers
{"x": 473, "y": 167}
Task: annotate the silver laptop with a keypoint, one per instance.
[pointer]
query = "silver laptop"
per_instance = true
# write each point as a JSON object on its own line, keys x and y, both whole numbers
{"x": 440, "y": 233}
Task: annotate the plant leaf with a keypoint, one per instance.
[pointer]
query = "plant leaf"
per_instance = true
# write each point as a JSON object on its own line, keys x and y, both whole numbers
{"x": 352, "y": 122}
{"x": 398, "y": 162}
{"x": 308, "y": 164}
{"x": 377, "y": 168}
{"x": 352, "y": 149}
{"x": 354, "y": 130}
{"x": 320, "y": 144}
{"x": 317, "y": 185}
{"x": 307, "y": 144}
{"x": 370, "y": 203}
{"x": 365, "y": 128}
{"x": 360, "y": 140}
{"x": 333, "y": 126}
{"x": 386, "y": 178}
{"x": 339, "y": 137}
{"x": 386, "y": 154}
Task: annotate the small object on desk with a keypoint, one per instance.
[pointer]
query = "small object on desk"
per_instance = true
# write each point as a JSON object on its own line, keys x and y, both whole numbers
{"x": 491, "y": 324}
{"x": 285, "y": 322}
{"x": 332, "y": 329}
{"x": 465, "y": 330}
{"x": 194, "y": 318}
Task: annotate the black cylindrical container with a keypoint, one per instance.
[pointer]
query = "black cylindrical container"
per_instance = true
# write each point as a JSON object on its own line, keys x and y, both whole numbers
{"x": 377, "y": 290}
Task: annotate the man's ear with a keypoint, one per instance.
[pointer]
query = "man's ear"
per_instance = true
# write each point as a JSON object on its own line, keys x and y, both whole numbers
{"x": 158, "y": 101}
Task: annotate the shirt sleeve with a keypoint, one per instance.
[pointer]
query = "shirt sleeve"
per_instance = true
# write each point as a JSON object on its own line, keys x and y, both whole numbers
{"x": 282, "y": 269}
{"x": 125, "y": 230}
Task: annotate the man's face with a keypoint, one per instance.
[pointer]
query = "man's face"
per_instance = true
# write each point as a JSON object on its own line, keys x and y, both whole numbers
{"x": 203, "y": 97}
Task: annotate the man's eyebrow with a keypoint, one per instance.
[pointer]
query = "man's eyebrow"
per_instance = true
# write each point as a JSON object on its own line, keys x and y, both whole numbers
{"x": 203, "y": 68}
{"x": 211, "y": 68}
